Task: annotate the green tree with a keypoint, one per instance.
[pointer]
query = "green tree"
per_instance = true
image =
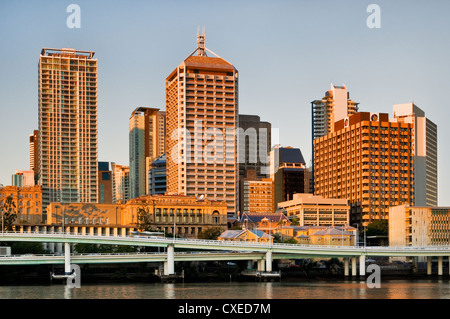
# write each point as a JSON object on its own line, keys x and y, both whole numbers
{"x": 20, "y": 248}
{"x": 144, "y": 222}
{"x": 8, "y": 214}
{"x": 295, "y": 221}
{"x": 210, "y": 233}
{"x": 377, "y": 228}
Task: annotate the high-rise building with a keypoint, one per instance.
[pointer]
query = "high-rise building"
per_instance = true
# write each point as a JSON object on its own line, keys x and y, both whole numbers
{"x": 105, "y": 189}
{"x": 34, "y": 154}
{"x": 425, "y": 153}
{"x": 202, "y": 118}
{"x": 254, "y": 144}
{"x": 287, "y": 170}
{"x": 23, "y": 179}
{"x": 157, "y": 176}
{"x": 367, "y": 159}
{"x": 120, "y": 183}
{"x": 68, "y": 142}
{"x": 147, "y": 129}
{"x": 334, "y": 106}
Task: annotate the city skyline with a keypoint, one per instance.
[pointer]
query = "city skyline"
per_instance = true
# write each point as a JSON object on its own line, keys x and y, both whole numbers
{"x": 399, "y": 63}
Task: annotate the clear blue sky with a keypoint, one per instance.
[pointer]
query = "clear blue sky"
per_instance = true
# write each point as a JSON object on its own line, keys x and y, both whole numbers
{"x": 287, "y": 53}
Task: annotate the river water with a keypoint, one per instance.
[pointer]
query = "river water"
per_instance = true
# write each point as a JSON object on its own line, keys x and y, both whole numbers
{"x": 339, "y": 289}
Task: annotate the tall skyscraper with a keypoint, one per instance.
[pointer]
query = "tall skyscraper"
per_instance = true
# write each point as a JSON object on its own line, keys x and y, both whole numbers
{"x": 368, "y": 159}
{"x": 147, "y": 130}
{"x": 34, "y": 154}
{"x": 425, "y": 153}
{"x": 334, "y": 106}
{"x": 68, "y": 126}
{"x": 202, "y": 118}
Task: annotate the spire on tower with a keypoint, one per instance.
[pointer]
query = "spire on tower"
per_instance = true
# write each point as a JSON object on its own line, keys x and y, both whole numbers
{"x": 201, "y": 43}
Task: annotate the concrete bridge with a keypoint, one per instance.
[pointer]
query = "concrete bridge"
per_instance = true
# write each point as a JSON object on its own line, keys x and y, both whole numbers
{"x": 263, "y": 253}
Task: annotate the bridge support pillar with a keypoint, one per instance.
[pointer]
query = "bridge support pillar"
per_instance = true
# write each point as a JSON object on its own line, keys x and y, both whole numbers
{"x": 261, "y": 264}
{"x": 353, "y": 266}
{"x": 346, "y": 267}
{"x": 250, "y": 264}
{"x": 362, "y": 266}
{"x": 269, "y": 260}
{"x": 170, "y": 263}
{"x": 67, "y": 266}
{"x": 429, "y": 265}
{"x": 440, "y": 272}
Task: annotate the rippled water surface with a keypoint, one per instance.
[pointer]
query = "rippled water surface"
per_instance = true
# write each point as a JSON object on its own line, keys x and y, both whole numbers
{"x": 394, "y": 289}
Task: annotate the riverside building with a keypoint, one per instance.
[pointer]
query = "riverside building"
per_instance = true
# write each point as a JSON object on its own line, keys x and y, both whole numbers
{"x": 186, "y": 216}
{"x": 369, "y": 160}
{"x": 419, "y": 226}
{"x": 147, "y": 131}
{"x": 202, "y": 118}
{"x": 68, "y": 134}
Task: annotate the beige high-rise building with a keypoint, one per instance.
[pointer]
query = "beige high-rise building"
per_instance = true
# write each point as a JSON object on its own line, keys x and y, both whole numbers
{"x": 334, "y": 106}
{"x": 419, "y": 226}
{"x": 147, "y": 131}
{"x": 202, "y": 118}
{"x": 120, "y": 183}
{"x": 68, "y": 126}
{"x": 425, "y": 153}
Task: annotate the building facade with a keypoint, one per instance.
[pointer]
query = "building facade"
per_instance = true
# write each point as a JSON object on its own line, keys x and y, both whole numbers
{"x": 425, "y": 153}
{"x": 34, "y": 154}
{"x": 315, "y": 210}
{"x": 287, "y": 170}
{"x": 202, "y": 118}
{"x": 120, "y": 183}
{"x": 27, "y": 201}
{"x": 68, "y": 131}
{"x": 256, "y": 194}
{"x": 147, "y": 132}
{"x": 320, "y": 235}
{"x": 419, "y": 226}
{"x": 266, "y": 222}
{"x": 185, "y": 216}
{"x": 334, "y": 106}
{"x": 254, "y": 145}
{"x": 23, "y": 178}
{"x": 246, "y": 235}
{"x": 105, "y": 189}
{"x": 157, "y": 176}
{"x": 368, "y": 160}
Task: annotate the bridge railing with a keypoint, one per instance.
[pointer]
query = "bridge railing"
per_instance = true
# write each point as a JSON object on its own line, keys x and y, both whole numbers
{"x": 212, "y": 243}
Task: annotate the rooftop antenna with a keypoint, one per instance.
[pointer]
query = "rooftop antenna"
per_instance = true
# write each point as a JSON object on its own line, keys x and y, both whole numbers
{"x": 201, "y": 43}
